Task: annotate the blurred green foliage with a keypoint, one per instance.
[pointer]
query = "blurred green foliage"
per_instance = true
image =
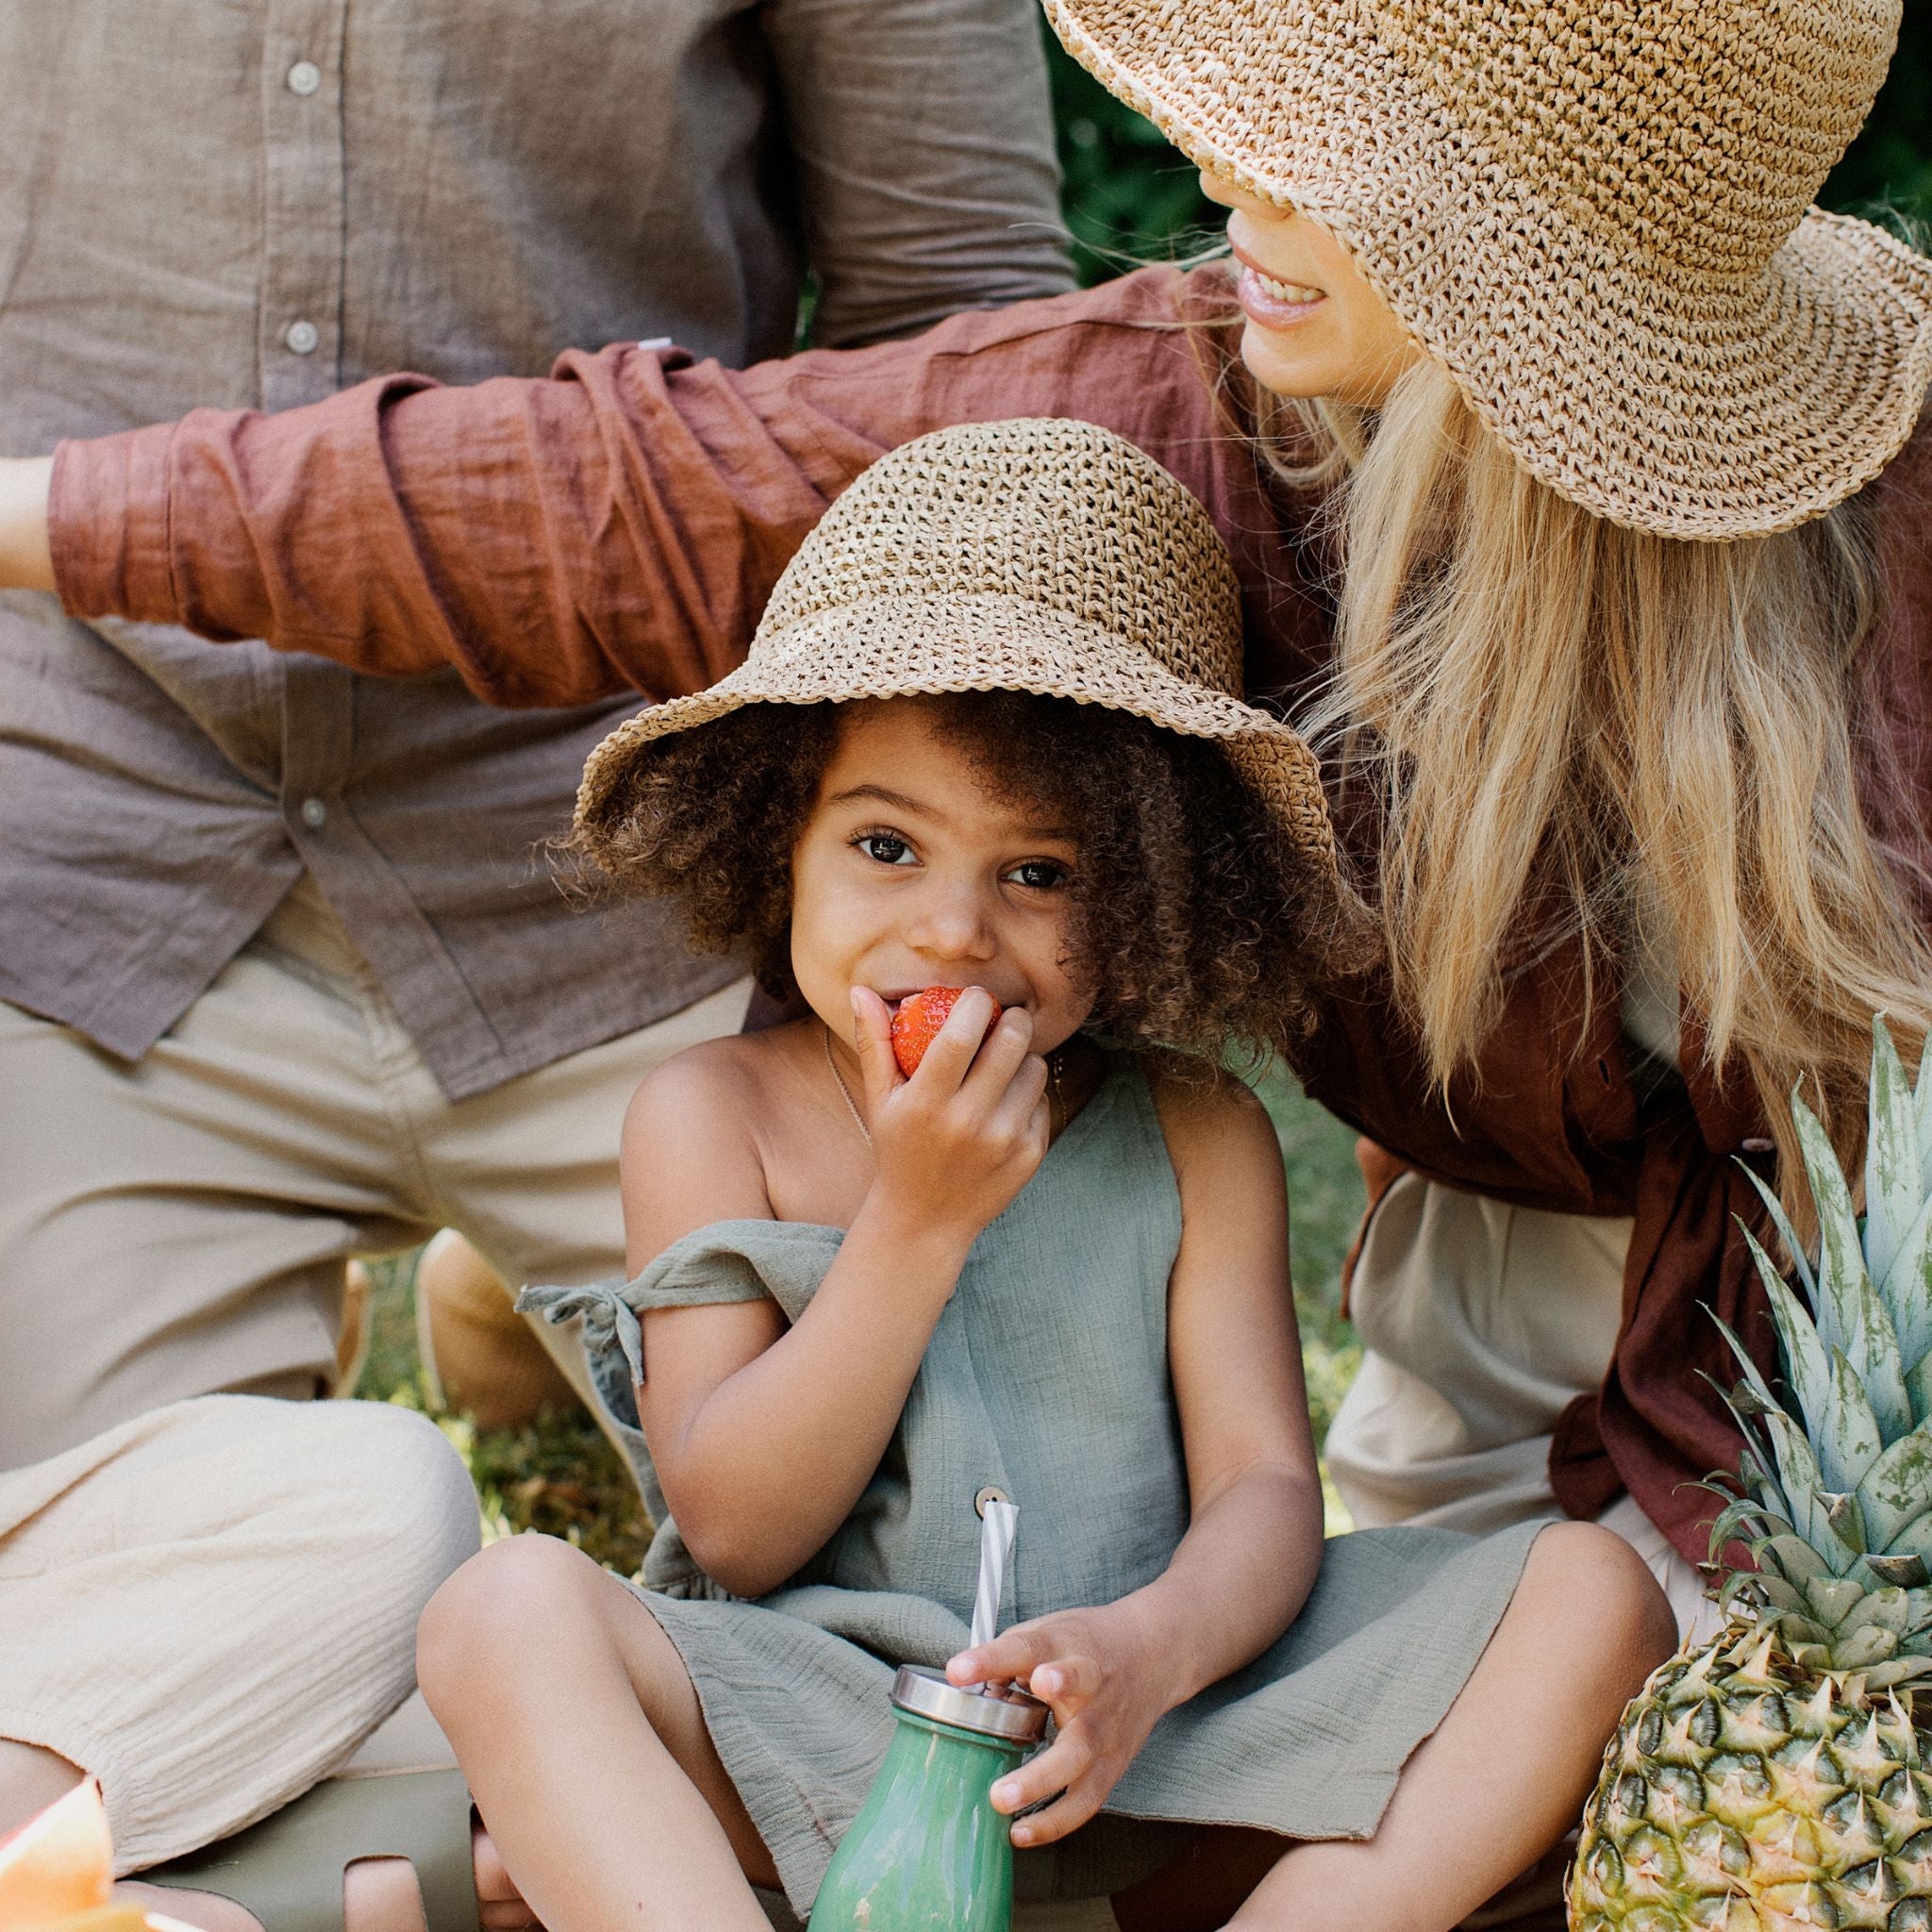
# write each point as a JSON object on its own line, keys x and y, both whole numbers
{"x": 1889, "y": 166}
{"x": 1131, "y": 198}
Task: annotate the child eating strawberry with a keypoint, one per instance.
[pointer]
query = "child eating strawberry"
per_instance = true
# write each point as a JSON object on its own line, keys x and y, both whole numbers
{"x": 988, "y": 753}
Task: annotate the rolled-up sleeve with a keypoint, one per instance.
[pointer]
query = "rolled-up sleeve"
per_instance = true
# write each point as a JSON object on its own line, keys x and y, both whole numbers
{"x": 616, "y": 525}
{"x": 921, "y": 132}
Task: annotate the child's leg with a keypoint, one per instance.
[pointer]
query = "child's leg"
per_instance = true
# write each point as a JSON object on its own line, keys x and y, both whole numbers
{"x": 582, "y": 1739}
{"x": 1506, "y": 1773}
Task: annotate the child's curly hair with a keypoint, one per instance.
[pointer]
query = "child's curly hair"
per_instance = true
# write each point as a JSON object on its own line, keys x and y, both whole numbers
{"x": 1197, "y": 920}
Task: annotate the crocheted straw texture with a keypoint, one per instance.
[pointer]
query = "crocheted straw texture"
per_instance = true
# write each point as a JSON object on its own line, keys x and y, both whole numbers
{"x": 1040, "y": 555}
{"x": 1592, "y": 211}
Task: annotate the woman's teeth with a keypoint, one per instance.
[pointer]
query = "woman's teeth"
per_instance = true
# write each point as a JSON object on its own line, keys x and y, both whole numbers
{"x": 1285, "y": 291}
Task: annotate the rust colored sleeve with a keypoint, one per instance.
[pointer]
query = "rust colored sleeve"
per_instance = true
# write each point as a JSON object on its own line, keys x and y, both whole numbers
{"x": 617, "y": 525}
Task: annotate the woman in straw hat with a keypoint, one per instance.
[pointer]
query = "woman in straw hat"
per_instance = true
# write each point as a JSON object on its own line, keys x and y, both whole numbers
{"x": 893, "y": 1266}
{"x": 1574, "y": 474}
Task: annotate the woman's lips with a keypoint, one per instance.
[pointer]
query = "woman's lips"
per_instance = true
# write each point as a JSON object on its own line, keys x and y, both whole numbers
{"x": 1272, "y": 304}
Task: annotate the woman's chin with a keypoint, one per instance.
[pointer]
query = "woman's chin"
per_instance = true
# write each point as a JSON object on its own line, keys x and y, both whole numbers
{"x": 1281, "y": 365}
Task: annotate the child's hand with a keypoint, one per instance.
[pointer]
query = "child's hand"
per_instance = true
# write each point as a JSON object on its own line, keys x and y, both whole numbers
{"x": 1108, "y": 1691}
{"x": 957, "y": 1141}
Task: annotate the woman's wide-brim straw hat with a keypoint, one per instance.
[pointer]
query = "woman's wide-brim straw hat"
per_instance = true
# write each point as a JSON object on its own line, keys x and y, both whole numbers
{"x": 1041, "y": 556}
{"x": 1596, "y": 213}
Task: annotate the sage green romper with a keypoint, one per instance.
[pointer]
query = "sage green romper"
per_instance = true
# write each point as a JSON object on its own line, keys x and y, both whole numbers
{"x": 1046, "y": 1379}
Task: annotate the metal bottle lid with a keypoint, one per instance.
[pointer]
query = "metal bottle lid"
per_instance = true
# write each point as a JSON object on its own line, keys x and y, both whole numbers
{"x": 1009, "y": 1714}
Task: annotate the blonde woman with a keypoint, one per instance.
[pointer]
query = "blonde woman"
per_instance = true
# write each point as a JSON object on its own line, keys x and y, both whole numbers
{"x": 1575, "y": 471}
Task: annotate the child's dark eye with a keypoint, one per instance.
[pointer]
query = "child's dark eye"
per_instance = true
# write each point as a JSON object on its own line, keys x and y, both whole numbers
{"x": 887, "y": 847}
{"x": 1043, "y": 875}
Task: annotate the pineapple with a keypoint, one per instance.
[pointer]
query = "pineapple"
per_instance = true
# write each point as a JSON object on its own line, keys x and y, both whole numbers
{"x": 1774, "y": 1779}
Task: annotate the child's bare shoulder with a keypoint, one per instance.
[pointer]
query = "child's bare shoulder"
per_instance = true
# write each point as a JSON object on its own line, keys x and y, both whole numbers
{"x": 1211, "y": 1118}
{"x": 690, "y": 1133}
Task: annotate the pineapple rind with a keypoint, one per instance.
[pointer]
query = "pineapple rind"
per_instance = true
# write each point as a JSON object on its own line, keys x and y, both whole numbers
{"x": 1742, "y": 1791}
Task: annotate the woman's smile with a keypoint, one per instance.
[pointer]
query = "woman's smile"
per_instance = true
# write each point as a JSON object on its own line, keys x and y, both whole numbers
{"x": 1316, "y": 326}
{"x": 1271, "y": 303}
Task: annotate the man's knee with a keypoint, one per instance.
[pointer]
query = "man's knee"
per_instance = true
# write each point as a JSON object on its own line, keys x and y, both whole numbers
{"x": 390, "y": 1481}
{"x": 362, "y": 1508}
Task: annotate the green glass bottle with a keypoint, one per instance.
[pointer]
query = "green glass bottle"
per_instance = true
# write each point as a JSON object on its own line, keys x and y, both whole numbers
{"x": 927, "y": 1853}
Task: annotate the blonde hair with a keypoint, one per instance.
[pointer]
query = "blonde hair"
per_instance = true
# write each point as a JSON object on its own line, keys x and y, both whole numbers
{"x": 1553, "y": 714}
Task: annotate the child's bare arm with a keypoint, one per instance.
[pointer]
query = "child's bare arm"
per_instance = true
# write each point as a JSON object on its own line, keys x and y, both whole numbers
{"x": 765, "y": 1436}
{"x": 1254, "y": 1542}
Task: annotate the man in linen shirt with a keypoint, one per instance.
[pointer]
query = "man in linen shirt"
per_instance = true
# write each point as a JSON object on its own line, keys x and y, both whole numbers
{"x": 282, "y": 977}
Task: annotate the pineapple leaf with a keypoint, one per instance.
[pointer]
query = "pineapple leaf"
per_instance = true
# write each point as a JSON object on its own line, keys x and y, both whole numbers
{"x": 1804, "y": 1492}
{"x": 1892, "y": 1194}
{"x": 1840, "y": 1259}
{"x": 1790, "y": 1557}
{"x": 1880, "y": 1365}
{"x": 1913, "y": 1540}
{"x": 1746, "y": 1520}
{"x": 1785, "y": 1598}
{"x": 1766, "y": 1496}
{"x": 1908, "y": 1572}
{"x": 1897, "y": 1490}
{"x": 1906, "y": 1290}
{"x": 1918, "y": 1387}
{"x": 1863, "y": 1648}
{"x": 1921, "y": 1109}
{"x": 1843, "y": 1512}
{"x": 1846, "y": 1437}
{"x": 1832, "y": 1599}
{"x": 1796, "y": 1484}
{"x": 1901, "y": 1669}
{"x": 1787, "y": 1234}
{"x": 1753, "y": 1396}
{"x": 1888, "y": 1609}
{"x": 1806, "y": 1366}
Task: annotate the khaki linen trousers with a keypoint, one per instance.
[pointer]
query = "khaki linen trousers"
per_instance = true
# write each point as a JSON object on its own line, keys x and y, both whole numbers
{"x": 208, "y": 1598}
{"x": 1481, "y": 1323}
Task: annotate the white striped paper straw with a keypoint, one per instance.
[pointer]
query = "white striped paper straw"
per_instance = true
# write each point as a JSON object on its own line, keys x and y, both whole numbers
{"x": 995, "y": 1550}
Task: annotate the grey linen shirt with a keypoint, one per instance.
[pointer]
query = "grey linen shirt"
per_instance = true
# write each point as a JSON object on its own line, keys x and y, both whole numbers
{"x": 256, "y": 202}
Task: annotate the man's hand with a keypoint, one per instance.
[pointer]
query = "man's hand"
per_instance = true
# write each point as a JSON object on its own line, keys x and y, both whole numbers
{"x": 1101, "y": 1672}
{"x": 25, "y": 561}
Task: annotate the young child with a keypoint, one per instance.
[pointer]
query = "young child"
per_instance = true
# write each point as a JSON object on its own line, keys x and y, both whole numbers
{"x": 1051, "y": 1264}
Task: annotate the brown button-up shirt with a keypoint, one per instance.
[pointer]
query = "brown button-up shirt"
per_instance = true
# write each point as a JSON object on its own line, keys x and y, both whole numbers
{"x": 665, "y": 496}
{"x": 258, "y": 202}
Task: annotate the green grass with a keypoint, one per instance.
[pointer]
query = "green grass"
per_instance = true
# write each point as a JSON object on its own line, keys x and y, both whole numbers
{"x": 560, "y": 1474}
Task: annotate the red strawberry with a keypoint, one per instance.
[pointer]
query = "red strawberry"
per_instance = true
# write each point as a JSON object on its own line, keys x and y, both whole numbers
{"x": 919, "y": 1019}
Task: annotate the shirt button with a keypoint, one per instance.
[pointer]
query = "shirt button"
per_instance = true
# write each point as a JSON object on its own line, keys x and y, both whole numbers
{"x": 991, "y": 1494}
{"x": 305, "y": 78}
{"x": 302, "y": 337}
{"x": 314, "y": 813}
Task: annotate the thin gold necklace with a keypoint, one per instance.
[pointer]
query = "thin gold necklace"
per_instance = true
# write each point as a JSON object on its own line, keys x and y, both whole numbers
{"x": 1056, "y": 1100}
{"x": 851, "y": 1104}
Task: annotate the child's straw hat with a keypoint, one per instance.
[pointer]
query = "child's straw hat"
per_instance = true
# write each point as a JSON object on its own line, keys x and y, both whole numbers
{"x": 1039, "y": 555}
{"x": 1593, "y": 212}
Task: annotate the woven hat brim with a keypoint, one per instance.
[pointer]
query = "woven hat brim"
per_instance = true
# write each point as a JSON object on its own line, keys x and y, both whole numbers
{"x": 977, "y": 641}
{"x": 1678, "y": 403}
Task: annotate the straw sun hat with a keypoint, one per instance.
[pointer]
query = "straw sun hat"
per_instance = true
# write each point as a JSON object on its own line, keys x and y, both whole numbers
{"x": 1593, "y": 212}
{"x": 1037, "y": 556}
